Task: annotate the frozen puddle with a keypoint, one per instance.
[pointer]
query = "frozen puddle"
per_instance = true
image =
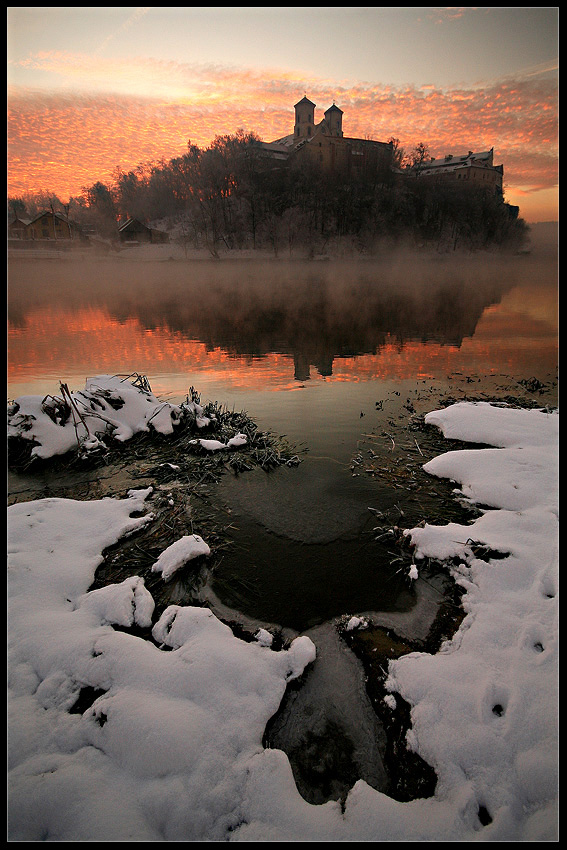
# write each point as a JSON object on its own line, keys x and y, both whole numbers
{"x": 327, "y": 726}
{"x": 304, "y": 558}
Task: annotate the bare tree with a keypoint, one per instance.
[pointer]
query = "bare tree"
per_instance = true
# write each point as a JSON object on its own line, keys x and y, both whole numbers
{"x": 419, "y": 156}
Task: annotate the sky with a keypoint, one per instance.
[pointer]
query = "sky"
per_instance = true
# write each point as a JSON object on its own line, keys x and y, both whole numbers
{"x": 94, "y": 88}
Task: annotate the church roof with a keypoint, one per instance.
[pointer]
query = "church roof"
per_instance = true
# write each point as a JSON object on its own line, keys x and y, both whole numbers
{"x": 304, "y": 100}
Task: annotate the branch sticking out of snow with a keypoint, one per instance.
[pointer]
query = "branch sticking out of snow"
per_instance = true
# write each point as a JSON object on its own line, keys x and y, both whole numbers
{"x": 108, "y": 406}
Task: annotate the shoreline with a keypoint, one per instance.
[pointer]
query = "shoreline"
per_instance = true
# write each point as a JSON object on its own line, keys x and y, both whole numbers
{"x": 181, "y": 509}
{"x": 542, "y": 240}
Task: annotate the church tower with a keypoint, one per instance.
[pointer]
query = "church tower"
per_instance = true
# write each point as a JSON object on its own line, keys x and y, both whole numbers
{"x": 334, "y": 121}
{"x": 304, "y": 119}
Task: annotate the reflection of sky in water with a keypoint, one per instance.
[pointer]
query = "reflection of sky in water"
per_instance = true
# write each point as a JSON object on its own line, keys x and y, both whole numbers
{"x": 222, "y": 326}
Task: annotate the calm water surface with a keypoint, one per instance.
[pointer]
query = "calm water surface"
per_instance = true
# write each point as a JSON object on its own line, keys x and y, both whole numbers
{"x": 338, "y": 357}
{"x": 330, "y": 354}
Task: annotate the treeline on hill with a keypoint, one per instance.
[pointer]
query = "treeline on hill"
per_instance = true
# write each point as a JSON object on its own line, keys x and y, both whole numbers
{"x": 231, "y": 196}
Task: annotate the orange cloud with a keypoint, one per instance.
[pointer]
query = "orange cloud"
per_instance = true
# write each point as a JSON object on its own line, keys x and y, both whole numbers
{"x": 62, "y": 141}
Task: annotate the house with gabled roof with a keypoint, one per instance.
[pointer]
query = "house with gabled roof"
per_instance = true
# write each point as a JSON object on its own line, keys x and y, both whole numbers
{"x": 50, "y": 225}
{"x": 133, "y": 232}
{"x": 17, "y": 228}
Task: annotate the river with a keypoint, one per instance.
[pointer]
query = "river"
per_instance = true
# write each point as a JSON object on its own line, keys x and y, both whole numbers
{"x": 341, "y": 357}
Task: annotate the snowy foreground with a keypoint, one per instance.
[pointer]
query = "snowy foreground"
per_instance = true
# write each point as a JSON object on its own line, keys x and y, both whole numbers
{"x": 171, "y": 747}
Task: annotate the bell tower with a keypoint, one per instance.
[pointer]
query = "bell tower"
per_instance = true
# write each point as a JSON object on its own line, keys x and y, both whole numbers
{"x": 334, "y": 120}
{"x": 304, "y": 119}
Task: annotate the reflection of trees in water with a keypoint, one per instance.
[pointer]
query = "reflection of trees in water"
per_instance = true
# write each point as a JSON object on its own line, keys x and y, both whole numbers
{"x": 313, "y": 312}
{"x": 318, "y": 317}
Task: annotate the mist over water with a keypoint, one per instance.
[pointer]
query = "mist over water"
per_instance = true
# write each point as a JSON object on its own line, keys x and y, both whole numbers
{"x": 164, "y": 318}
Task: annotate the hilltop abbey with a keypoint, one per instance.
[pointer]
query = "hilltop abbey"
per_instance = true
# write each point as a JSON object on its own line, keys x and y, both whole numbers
{"x": 320, "y": 145}
{"x": 324, "y": 143}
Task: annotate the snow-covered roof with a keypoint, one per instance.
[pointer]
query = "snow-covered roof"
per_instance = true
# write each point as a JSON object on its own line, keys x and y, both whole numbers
{"x": 285, "y": 142}
{"x": 450, "y": 162}
{"x": 129, "y": 222}
{"x": 58, "y": 215}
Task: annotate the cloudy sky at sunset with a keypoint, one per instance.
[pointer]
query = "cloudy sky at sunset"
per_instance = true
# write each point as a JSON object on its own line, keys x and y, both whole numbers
{"x": 90, "y": 89}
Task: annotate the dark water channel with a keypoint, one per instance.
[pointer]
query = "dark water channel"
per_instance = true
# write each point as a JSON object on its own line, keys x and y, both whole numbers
{"x": 312, "y": 544}
{"x": 306, "y": 551}
{"x": 342, "y": 359}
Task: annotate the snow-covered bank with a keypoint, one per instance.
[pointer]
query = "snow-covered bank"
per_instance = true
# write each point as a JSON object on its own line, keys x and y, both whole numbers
{"x": 162, "y": 752}
{"x": 171, "y": 746}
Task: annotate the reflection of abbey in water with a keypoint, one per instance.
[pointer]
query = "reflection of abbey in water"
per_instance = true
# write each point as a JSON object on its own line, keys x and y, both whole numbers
{"x": 314, "y": 313}
{"x": 317, "y": 318}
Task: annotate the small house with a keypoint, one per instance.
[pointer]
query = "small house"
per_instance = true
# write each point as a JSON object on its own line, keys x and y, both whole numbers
{"x": 135, "y": 232}
{"x": 49, "y": 225}
{"x": 17, "y": 229}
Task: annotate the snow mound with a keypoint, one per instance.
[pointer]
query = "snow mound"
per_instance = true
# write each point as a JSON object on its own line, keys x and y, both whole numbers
{"x": 515, "y": 476}
{"x": 108, "y": 406}
{"x": 487, "y": 703}
{"x": 179, "y": 553}
{"x": 235, "y": 442}
{"x": 162, "y": 752}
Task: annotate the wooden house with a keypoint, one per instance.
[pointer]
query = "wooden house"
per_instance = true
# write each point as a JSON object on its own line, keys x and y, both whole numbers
{"x": 49, "y": 225}
{"x": 17, "y": 229}
{"x": 135, "y": 232}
